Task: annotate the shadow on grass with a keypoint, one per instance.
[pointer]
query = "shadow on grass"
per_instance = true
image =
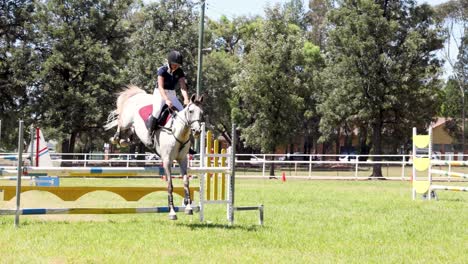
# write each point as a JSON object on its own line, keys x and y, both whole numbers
{"x": 159, "y": 222}
{"x": 195, "y": 226}
{"x": 458, "y": 200}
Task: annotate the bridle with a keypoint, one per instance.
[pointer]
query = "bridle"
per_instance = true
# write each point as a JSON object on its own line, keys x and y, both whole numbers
{"x": 185, "y": 121}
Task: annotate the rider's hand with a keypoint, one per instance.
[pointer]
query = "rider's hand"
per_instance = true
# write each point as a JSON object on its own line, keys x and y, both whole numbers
{"x": 186, "y": 102}
{"x": 169, "y": 103}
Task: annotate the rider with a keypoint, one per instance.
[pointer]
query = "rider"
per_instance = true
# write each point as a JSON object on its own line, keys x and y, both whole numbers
{"x": 169, "y": 76}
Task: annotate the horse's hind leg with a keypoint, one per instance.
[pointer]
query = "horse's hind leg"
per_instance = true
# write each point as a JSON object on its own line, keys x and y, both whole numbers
{"x": 187, "y": 198}
{"x": 167, "y": 170}
{"x": 115, "y": 139}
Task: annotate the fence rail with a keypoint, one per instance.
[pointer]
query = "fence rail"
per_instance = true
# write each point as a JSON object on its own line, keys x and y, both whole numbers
{"x": 259, "y": 165}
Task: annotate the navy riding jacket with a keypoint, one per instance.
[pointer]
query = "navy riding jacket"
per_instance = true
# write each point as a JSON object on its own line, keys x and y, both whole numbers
{"x": 170, "y": 79}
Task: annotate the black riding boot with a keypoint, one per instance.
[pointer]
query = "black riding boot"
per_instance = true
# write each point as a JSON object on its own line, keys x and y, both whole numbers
{"x": 151, "y": 124}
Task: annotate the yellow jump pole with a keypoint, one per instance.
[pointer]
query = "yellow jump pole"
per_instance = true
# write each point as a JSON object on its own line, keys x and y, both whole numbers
{"x": 209, "y": 146}
{"x": 223, "y": 175}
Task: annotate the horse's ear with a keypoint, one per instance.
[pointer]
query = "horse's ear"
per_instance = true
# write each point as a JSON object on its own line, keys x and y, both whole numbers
{"x": 200, "y": 99}
{"x": 193, "y": 98}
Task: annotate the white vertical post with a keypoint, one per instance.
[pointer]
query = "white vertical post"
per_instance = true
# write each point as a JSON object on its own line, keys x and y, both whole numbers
{"x": 33, "y": 147}
{"x": 20, "y": 173}
{"x": 403, "y": 163}
{"x": 202, "y": 176}
{"x": 450, "y": 172}
{"x": 310, "y": 166}
{"x": 429, "y": 170}
{"x": 357, "y": 167}
{"x": 232, "y": 164}
{"x": 264, "y": 165}
{"x": 413, "y": 176}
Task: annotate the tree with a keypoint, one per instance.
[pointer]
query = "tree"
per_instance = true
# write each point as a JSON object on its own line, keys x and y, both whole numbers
{"x": 230, "y": 40}
{"x": 312, "y": 64}
{"x": 461, "y": 66}
{"x": 294, "y": 13}
{"x": 218, "y": 83}
{"x": 381, "y": 70}
{"x": 316, "y": 17}
{"x": 451, "y": 107}
{"x": 269, "y": 86}
{"x": 161, "y": 27}
{"x": 17, "y": 64}
{"x": 84, "y": 50}
{"x": 454, "y": 15}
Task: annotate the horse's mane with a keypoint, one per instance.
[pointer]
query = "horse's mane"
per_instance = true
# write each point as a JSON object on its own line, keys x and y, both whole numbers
{"x": 128, "y": 92}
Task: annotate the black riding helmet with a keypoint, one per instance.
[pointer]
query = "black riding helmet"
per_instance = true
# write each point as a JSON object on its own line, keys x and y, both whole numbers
{"x": 175, "y": 57}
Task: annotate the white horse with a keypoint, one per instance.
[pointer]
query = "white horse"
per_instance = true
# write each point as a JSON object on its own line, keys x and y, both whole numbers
{"x": 171, "y": 142}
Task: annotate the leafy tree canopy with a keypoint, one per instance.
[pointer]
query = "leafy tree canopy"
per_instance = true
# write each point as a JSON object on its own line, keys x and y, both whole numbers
{"x": 382, "y": 69}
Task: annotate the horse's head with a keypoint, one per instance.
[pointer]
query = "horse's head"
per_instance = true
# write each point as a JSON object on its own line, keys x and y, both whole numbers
{"x": 194, "y": 114}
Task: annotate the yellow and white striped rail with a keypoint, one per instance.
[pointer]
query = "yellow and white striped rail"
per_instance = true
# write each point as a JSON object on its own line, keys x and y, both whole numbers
{"x": 450, "y": 173}
{"x": 449, "y": 188}
{"x": 450, "y": 162}
{"x": 73, "y": 193}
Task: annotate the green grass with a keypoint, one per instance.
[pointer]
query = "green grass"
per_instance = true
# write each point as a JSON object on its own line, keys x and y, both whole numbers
{"x": 305, "y": 222}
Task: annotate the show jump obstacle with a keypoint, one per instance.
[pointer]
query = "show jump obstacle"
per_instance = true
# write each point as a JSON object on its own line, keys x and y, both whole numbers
{"x": 422, "y": 162}
{"x": 212, "y": 190}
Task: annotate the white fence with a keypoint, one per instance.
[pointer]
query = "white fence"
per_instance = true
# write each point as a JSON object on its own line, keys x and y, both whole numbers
{"x": 309, "y": 166}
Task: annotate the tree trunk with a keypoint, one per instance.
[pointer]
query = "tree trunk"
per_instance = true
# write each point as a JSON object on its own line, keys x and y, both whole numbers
{"x": 363, "y": 148}
{"x": 272, "y": 168}
{"x": 65, "y": 148}
{"x": 337, "y": 143}
{"x": 377, "y": 147}
{"x": 71, "y": 145}
{"x": 272, "y": 165}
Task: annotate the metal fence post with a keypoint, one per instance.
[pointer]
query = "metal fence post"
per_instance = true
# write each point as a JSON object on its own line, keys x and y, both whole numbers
{"x": 20, "y": 173}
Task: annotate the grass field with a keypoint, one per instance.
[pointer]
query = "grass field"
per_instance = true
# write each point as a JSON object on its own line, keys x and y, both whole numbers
{"x": 305, "y": 222}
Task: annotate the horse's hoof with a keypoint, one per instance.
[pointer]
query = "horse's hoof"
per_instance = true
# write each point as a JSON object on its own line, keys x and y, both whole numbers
{"x": 188, "y": 211}
{"x": 123, "y": 143}
{"x": 173, "y": 217}
{"x": 114, "y": 141}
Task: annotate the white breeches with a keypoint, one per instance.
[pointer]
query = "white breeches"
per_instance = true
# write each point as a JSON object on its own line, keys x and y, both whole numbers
{"x": 158, "y": 101}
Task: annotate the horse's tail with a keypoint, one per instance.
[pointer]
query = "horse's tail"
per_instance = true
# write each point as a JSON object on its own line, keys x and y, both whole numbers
{"x": 113, "y": 117}
{"x": 125, "y": 94}
{"x": 112, "y": 120}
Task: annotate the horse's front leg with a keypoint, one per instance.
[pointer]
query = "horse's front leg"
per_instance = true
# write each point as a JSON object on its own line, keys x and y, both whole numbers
{"x": 170, "y": 187}
{"x": 187, "y": 198}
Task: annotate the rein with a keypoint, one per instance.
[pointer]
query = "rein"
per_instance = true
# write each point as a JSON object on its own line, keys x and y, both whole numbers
{"x": 185, "y": 122}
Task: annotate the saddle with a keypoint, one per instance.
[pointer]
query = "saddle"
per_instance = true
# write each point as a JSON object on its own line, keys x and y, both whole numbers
{"x": 160, "y": 121}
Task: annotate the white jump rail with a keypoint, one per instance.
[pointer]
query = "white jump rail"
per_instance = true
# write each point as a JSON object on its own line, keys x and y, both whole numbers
{"x": 116, "y": 172}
